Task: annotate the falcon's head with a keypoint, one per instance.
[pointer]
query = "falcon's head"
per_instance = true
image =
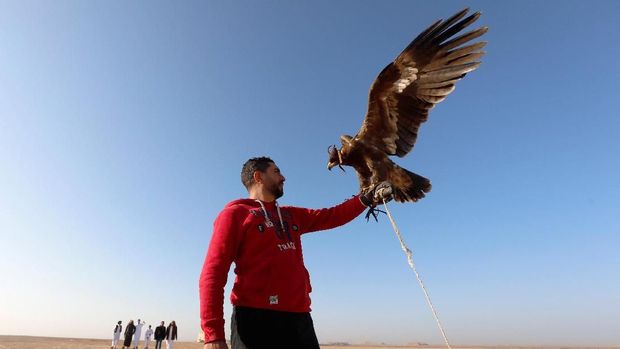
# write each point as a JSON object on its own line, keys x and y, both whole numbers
{"x": 334, "y": 158}
{"x": 338, "y": 156}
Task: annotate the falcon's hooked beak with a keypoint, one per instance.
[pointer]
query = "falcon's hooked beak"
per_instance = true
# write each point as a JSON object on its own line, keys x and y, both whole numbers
{"x": 335, "y": 158}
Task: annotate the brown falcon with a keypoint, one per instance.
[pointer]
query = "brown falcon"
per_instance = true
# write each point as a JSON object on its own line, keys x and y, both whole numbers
{"x": 399, "y": 102}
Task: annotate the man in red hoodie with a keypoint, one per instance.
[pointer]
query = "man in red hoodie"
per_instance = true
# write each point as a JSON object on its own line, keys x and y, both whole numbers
{"x": 271, "y": 293}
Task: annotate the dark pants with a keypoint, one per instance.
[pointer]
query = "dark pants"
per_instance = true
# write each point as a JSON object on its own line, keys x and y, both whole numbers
{"x": 267, "y": 329}
{"x": 158, "y": 343}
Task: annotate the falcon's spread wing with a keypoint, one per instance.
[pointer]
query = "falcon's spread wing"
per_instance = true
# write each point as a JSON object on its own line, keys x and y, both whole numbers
{"x": 420, "y": 77}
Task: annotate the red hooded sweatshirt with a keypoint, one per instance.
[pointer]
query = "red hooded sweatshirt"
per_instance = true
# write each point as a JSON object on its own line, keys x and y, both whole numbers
{"x": 269, "y": 266}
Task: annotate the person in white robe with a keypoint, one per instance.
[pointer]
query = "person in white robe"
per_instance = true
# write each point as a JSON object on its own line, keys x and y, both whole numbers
{"x": 137, "y": 334}
{"x": 118, "y": 329}
{"x": 147, "y": 337}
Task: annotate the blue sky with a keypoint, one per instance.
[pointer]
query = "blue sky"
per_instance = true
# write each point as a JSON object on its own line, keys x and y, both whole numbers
{"x": 124, "y": 125}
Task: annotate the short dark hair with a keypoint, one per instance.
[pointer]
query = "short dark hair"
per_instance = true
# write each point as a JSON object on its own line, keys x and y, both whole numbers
{"x": 254, "y": 164}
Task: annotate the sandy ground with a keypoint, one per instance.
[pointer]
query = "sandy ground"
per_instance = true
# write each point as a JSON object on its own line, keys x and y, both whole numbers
{"x": 26, "y": 342}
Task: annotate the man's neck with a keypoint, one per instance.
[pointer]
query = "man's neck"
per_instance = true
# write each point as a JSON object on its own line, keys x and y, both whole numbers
{"x": 264, "y": 196}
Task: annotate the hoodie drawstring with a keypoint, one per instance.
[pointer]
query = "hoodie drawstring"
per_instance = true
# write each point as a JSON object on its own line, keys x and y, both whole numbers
{"x": 268, "y": 221}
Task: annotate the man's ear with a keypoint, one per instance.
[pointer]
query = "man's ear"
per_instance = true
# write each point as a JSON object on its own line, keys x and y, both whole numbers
{"x": 257, "y": 176}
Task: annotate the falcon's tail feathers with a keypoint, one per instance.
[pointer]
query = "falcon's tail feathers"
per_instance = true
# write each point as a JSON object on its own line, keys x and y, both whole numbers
{"x": 409, "y": 186}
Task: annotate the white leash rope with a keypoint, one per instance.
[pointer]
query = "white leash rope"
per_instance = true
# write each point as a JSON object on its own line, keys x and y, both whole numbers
{"x": 417, "y": 275}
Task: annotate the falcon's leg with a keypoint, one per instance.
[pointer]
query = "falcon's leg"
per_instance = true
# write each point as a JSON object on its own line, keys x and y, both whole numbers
{"x": 373, "y": 211}
{"x": 363, "y": 176}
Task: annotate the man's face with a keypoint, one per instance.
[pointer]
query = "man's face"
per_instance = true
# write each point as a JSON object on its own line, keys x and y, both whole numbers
{"x": 273, "y": 180}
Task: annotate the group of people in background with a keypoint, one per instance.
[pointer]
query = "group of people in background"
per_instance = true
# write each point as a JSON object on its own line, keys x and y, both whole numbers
{"x": 133, "y": 332}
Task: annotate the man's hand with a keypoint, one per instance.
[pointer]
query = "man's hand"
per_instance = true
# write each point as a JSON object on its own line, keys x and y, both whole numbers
{"x": 383, "y": 191}
{"x": 374, "y": 196}
{"x": 216, "y": 345}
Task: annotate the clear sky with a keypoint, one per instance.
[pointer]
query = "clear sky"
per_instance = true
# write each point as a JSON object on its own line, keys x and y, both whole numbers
{"x": 124, "y": 125}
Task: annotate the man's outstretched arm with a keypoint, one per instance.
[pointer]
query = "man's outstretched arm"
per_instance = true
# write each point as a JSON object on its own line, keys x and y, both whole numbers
{"x": 328, "y": 218}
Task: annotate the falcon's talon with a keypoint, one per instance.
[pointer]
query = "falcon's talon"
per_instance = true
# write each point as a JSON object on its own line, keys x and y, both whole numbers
{"x": 372, "y": 211}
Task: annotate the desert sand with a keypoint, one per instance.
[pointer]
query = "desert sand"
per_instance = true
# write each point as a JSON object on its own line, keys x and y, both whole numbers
{"x": 27, "y": 342}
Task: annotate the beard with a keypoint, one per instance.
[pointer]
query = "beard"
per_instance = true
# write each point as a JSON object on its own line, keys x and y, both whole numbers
{"x": 276, "y": 189}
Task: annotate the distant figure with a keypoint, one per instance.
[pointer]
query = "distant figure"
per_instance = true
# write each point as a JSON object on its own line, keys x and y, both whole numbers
{"x": 171, "y": 334}
{"x": 147, "y": 337}
{"x": 129, "y": 331}
{"x": 136, "y": 336}
{"x": 118, "y": 329}
{"x": 160, "y": 335}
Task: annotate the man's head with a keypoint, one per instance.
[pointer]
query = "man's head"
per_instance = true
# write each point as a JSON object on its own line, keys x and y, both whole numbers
{"x": 162, "y": 323}
{"x": 120, "y": 322}
{"x": 262, "y": 175}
